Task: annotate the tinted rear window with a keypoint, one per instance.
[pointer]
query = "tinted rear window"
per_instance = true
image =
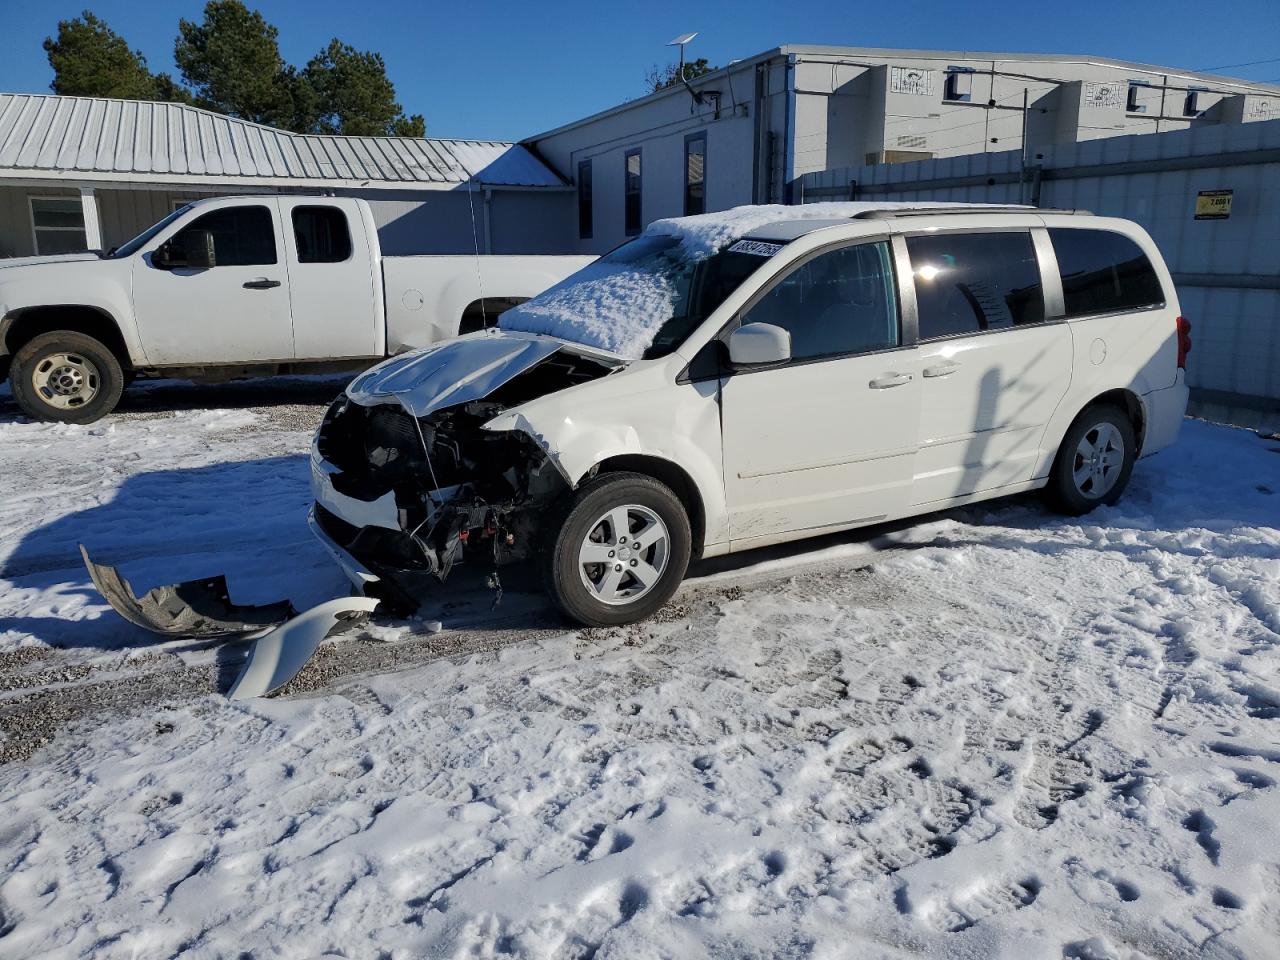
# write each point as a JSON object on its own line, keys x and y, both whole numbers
{"x": 1103, "y": 271}
{"x": 972, "y": 282}
{"x": 321, "y": 234}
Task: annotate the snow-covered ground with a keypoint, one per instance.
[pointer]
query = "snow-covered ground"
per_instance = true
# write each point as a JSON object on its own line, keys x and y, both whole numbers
{"x": 994, "y": 733}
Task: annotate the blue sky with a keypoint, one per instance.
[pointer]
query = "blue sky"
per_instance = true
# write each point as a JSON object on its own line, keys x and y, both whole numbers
{"x": 505, "y": 70}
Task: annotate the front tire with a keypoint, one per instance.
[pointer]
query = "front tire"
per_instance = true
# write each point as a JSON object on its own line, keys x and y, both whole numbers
{"x": 620, "y": 552}
{"x": 67, "y": 377}
{"x": 1095, "y": 461}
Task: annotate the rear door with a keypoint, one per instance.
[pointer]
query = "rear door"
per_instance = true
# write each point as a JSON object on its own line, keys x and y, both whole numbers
{"x": 235, "y": 311}
{"x": 332, "y": 278}
{"x": 993, "y": 368}
{"x": 827, "y": 439}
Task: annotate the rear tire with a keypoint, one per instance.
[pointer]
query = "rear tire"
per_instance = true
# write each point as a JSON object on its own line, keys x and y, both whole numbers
{"x": 1095, "y": 461}
{"x": 67, "y": 377}
{"x": 619, "y": 552}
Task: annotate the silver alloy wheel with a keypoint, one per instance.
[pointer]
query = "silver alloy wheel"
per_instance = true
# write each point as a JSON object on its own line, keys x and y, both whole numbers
{"x": 1099, "y": 460}
{"x": 66, "y": 380}
{"x": 624, "y": 554}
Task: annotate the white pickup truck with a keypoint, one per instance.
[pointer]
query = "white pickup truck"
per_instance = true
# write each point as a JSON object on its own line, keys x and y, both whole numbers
{"x": 234, "y": 287}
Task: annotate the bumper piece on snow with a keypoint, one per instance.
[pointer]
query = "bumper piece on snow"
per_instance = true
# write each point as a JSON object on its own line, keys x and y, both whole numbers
{"x": 277, "y": 657}
{"x": 194, "y": 608}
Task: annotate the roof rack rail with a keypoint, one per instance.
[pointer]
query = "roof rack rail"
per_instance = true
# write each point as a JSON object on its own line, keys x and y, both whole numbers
{"x": 890, "y": 213}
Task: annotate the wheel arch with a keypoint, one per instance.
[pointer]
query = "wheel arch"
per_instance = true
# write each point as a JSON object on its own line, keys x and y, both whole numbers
{"x": 1128, "y": 401}
{"x": 22, "y": 326}
{"x": 673, "y": 476}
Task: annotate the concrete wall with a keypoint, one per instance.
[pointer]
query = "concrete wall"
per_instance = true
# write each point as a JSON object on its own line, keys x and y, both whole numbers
{"x": 1227, "y": 271}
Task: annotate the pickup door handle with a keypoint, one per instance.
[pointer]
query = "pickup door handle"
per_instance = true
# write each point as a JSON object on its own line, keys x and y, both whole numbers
{"x": 889, "y": 380}
{"x": 261, "y": 283}
{"x": 944, "y": 369}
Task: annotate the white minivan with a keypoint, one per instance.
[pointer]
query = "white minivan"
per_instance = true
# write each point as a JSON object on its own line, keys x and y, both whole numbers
{"x": 738, "y": 379}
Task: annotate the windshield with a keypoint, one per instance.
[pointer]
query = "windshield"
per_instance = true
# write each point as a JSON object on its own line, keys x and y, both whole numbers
{"x": 640, "y": 301}
{"x": 137, "y": 243}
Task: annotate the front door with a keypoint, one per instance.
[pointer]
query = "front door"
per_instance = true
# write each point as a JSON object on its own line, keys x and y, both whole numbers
{"x": 236, "y": 311}
{"x": 827, "y": 439}
{"x": 992, "y": 369}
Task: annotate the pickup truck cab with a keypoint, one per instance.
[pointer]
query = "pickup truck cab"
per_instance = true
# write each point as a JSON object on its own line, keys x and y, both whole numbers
{"x": 239, "y": 286}
{"x": 733, "y": 380}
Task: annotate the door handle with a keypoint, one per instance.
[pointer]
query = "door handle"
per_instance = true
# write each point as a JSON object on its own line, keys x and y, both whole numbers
{"x": 889, "y": 380}
{"x": 944, "y": 369}
{"x": 261, "y": 283}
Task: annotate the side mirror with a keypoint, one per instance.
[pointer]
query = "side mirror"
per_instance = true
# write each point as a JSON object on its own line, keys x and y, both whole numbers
{"x": 200, "y": 253}
{"x": 759, "y": 344}
{"x": 162, "y": 257}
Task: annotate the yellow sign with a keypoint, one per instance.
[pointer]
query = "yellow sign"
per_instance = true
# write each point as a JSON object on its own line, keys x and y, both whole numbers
{"x": 1213, "y": 204}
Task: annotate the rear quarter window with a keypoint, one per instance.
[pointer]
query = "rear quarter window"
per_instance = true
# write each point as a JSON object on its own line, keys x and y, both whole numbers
{"x": 1103, "y": 272}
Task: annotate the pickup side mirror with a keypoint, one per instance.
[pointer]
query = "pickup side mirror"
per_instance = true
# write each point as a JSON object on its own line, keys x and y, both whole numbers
{"x": 759, "y": 344}
{"x": 162, "y": 258}
{"x": 200, "y": 251}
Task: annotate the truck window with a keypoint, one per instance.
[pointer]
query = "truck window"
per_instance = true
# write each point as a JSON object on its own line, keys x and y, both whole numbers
{"x": 1103, "y": 271}
{"x": 242, "y": 236}
{"x": 321, "y": 234}
{"x": 975, "y": 282}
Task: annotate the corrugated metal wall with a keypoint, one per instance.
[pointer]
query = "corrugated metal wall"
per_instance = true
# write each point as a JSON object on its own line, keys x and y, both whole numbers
{"x": 1227, "y": 271}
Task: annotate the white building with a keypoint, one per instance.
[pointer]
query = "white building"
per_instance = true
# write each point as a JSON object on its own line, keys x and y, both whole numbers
{"x": 86, "y": 173}
{"x": 761, "y": 123}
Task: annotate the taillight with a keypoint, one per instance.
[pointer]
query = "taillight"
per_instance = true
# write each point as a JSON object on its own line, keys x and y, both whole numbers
{"x": 1184, "y": 341}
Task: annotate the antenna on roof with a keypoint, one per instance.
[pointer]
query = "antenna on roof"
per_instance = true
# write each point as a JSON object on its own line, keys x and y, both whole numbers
{"x": 699, "y": 97}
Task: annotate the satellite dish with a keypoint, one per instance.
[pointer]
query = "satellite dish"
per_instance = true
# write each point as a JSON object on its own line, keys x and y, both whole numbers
{"x": 681, "y": 40}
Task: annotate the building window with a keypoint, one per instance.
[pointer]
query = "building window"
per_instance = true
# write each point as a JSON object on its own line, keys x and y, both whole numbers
{"x": 585, "y": 215}
{"x": 958, "y": 85}
{"x": 57, "y": 225}
{"x": 633, "y": 221}
{"x": 1132, "y": 103}
{"x": 1191, "y": 103}
{"x": 695, "y": 174}
{"x": 321, "y": 235}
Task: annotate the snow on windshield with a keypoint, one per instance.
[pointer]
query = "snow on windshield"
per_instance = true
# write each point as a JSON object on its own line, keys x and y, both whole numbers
{"x": 621, "y": 301}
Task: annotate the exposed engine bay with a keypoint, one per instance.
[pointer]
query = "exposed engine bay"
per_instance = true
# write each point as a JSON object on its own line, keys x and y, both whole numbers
{"x": 459, "y": 491}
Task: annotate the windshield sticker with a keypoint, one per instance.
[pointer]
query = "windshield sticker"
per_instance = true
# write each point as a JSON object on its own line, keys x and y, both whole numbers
{"x": 757, "y": 247}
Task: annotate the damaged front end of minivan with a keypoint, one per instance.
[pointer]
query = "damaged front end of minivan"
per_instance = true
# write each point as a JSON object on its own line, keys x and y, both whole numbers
{"x": 408, "y": 481}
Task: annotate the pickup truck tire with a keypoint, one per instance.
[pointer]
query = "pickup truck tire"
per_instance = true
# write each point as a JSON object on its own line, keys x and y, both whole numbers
{"x": 1095, "y": 461}
{"x": 619, "y": 552}
{"x": 66, "y": 376}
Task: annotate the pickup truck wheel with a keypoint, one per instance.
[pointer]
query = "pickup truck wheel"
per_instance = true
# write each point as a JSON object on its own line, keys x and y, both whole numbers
{"x": 66, "y": 376}
{"x": 620, "y": 551}
{"x": 1094, "y": 462}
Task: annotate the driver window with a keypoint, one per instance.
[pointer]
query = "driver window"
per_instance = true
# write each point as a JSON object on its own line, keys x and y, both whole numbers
{"x": 242, "y": 236}
{"x": 839, "y": 303}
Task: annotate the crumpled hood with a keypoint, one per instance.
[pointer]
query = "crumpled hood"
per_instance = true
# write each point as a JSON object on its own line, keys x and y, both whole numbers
{"x": 457, "y": 371}
{"x": 9, "y": 263}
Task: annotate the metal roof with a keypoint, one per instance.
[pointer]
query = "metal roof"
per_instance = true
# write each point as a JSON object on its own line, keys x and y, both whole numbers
{"x": 83, "y": 138}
